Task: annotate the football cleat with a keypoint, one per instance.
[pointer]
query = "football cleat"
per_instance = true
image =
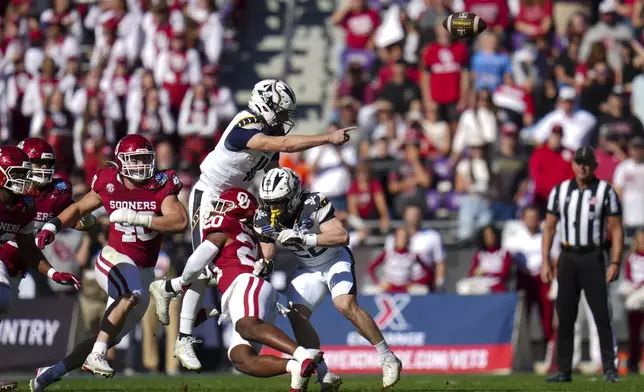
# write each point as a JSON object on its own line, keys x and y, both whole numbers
{"x": 6, "y": 385}
{"x": 391, "y": 368}
{"x": 45, "y": 376}
{"x": 330, "y": 383}
{"x": 96, "y": 363}
{"x": 184, "y": 351}
{"x": 162, "y": 300}
{"x": 309, "y": 364}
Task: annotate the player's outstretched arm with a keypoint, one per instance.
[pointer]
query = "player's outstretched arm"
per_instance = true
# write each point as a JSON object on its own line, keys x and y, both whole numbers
{"x": 35, "y": 259}
{"x": 296, "y": 143}
{"x": 68, "y": 218}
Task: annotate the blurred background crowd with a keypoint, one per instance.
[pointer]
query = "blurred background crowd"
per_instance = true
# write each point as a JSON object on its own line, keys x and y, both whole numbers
{"x": 458, "y": 144}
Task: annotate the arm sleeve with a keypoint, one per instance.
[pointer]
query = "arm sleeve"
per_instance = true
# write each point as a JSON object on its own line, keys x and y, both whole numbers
{"x": 237, "y": 139}
{"x": 28, "y": 228}
{"x": 611, "y": 203}
{"x": 553, "y": 202}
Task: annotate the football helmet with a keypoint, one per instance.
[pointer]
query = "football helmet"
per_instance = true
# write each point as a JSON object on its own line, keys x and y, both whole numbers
{"x": 280, "y": 191}
{"x": 15, "y": 170}
{"x": 42, "y": 157}
{"x": 274, "y": 100}
{"x": 236, "y": 203}
{"x": 135, "y": 157}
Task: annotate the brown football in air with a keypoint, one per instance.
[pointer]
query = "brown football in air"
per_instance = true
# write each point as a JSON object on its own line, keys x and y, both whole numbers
{"x": 464, "y": 24}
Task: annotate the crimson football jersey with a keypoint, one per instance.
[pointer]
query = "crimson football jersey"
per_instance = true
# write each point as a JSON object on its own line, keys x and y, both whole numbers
{"x": 239, "y": 256}
{"x": 138, "y": 243}
{"x": 50, "y": 201}
{"x": 15, "y": 219}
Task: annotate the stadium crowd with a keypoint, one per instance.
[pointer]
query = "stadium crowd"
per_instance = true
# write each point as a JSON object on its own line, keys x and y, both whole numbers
{"x": 474, "y": 130}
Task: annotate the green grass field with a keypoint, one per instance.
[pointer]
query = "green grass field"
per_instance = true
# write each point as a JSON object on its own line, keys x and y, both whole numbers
{"x": 517, "y": 383}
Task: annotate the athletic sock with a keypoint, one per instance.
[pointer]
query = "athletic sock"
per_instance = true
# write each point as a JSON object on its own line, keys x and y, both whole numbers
{"x": 383, "y": 350}
{"x": 300, "y": 354}
{"x": 190, "y": 306}
{"x": 294, "y": 367}
{"x": 99, "y": 347}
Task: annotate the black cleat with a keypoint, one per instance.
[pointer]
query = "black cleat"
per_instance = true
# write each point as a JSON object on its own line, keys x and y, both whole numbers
{"x": 560, "y": 377}
{"x": 610, "y": 375}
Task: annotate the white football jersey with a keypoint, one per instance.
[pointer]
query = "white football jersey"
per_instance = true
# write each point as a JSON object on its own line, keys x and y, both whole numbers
{"x": 314, "y": 210}
{"x": 223, "y": 168}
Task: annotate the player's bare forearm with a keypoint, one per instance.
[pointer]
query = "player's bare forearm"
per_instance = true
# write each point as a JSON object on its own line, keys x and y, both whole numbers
{"x": 333, "y": 234}
{"x": 268, "y": 250}
{"x": 31, "y": 254}
{"x": 290, "y": 143}
{"x": 617, "y": 238}
{"x": 549, "y": 228}
{"x": 73, "y": 214}
{"x": 174, "y": 218}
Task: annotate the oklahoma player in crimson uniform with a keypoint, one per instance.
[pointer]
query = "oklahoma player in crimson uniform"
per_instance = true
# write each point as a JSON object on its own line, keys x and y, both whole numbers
{"x": 142, "y": 205}
{"x": 17, "y": 215}
{"x": 230, "y": 251}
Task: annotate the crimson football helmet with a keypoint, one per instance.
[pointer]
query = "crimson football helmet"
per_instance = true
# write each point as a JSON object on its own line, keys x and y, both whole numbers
{"x": 15, "y": 170}
{"x": 135, "y": 157}
{"x": 42, "y": 157}
{"x": 236, "y": 203}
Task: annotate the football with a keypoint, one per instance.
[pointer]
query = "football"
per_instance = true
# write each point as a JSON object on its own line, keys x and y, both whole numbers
{"x": 464, "y": 24}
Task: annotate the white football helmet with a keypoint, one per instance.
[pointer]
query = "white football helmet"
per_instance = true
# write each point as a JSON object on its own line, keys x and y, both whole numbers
{"x": 274, "y": 100}
{"x": 280, "y": 191}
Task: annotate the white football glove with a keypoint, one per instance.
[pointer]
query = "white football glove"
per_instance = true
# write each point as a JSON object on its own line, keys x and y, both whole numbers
{"x": 263, "y": 268}
{"x": 290, "y": 236}
{"x": 131, "y": 217}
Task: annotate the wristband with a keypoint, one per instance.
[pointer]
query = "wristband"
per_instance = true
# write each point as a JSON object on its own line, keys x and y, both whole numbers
{"x": 50, "y": 273}
{"x": 53, "y": 225}
{"x": 88, "y": 221}
{"x": 311, "y": 240}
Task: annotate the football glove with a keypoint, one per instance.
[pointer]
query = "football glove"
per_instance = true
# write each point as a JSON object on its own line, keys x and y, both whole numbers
{"x": 263, "y": 268}
{"x": 131, "y": 217}
{"x": 290, "y": 237}
{"x": 66, "y": 279}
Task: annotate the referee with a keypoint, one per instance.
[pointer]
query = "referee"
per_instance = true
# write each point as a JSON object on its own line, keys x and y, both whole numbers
{"x": 582, "y": 207}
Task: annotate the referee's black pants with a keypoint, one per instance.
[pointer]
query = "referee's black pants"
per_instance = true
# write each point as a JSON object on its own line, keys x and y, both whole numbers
{"x": 586, "y": 271}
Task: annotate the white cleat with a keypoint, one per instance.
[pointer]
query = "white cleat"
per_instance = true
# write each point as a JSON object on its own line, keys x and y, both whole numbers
{"x": 96, "y": 363}
{"x": 330, "y": 383}
{"x": 162, "y": 300}
{"x": 391, "y": 368}
{"x": 184, "y": 351}
{"x": 45, "y": 376}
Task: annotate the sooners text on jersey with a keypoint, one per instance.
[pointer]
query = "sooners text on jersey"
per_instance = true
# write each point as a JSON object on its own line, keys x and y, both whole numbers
{"x": 15, "y": 219}
{"x": 50, "y": 201}
{"x": 138, "y": 243}
{"x": 239, "y": 256}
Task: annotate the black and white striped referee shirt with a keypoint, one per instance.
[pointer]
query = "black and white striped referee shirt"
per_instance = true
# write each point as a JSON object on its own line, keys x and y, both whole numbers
{"x": 582, "y": 213}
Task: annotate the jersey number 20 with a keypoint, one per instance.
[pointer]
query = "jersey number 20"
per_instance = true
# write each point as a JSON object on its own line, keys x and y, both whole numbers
{"x": 247, "y": 252}
{"x": 133, "y": 233}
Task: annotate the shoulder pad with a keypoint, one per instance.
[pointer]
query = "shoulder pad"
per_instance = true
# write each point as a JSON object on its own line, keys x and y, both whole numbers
{"x": 312, "y": 201}
{"x": 249, "y": 120}
{"x": 263, "y": 226}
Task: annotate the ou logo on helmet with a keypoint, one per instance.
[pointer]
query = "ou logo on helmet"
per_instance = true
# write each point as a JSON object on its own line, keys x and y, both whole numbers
{"x": 243, "y": 200}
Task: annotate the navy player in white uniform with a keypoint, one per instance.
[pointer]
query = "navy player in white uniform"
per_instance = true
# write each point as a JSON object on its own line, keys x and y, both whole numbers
{"x": 305, "y": 224}
{"x": 251, "y": 143}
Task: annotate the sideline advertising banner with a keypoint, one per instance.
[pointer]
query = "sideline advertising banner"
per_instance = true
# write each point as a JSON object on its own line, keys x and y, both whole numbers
{"x": 36, "y": 332}
{"x": 442, "y": 333}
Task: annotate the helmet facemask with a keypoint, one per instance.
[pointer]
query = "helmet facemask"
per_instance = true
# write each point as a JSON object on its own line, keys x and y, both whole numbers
{"x": 137, "y": 165}
{"x": 42, "y": 171}
{"x": 18, "y": 180}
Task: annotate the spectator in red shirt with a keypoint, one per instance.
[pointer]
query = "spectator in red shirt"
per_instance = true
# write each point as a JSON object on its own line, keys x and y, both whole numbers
{"x": 397, "y": 265}
{"x": 534, "y": 20}
{"x": 550, "y": 164}
{"x": 444, "y": 76}
{"x": 490, "y": 269}
{"x": 610, "y": 152}
{"x": 495, "y": 12}
{"x": 366, "y": 197}
{"x": 359, "y": 21}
